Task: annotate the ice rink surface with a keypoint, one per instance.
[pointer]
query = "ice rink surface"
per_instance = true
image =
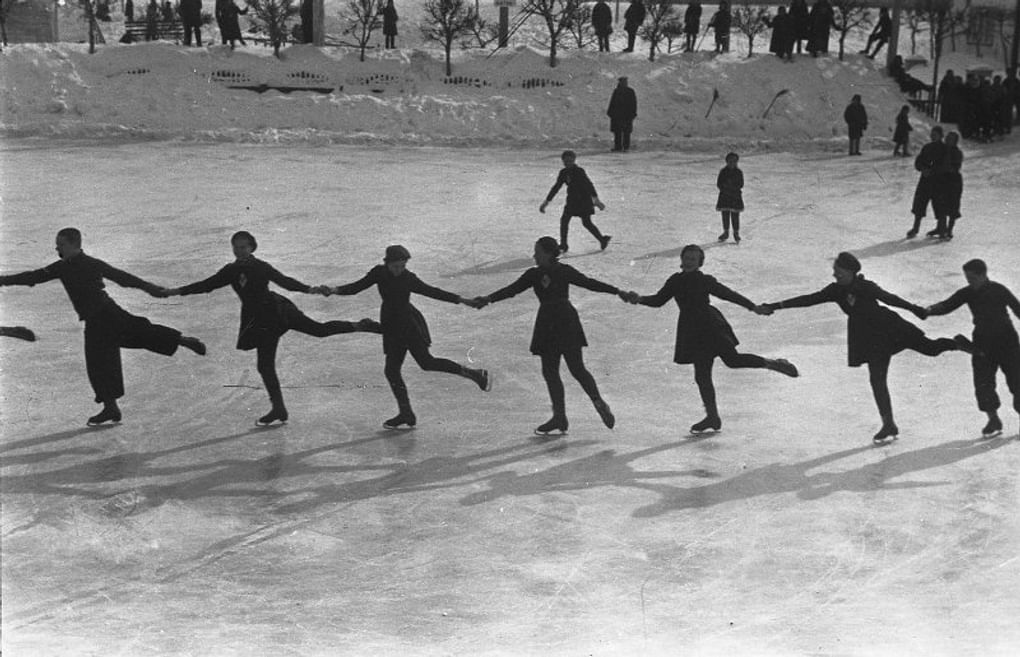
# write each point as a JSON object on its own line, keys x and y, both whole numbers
{"x": 187, "y": 531}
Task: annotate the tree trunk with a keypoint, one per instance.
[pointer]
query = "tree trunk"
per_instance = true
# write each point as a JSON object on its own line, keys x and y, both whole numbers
{"x": 449, "y": 70}
{"x": 842, "y": 40}
{"x": 552, "y": 53}
{"x": 651, "y": 53}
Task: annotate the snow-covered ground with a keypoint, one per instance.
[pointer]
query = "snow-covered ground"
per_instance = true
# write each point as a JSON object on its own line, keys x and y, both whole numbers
{"x": 183, "y": 531}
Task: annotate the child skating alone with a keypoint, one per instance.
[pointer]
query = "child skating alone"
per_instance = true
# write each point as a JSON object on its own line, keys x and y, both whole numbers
{"x": 901, "y": 135}
{"x": 731, "y": 201}
{"x": 582, "y": 199}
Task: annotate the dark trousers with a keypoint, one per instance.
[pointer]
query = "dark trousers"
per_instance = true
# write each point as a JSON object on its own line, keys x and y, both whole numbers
{"x": 703, "y": 375}
{"x": 111, "y": 330}
{"x": 585, "y": 220}
{"x": 190, "y": 27}
{"x": 420, "y": 353}
{"x": 986, "y": 365}
{"x": 690, "y": 41}
{"x": 266, "y": 352}
{"x": 551, "y": 374}
{"x": 603, "y": 42}
{"x": 631, "y": 36}
{"x": 729, "y": 218}
{"x": 391, "y": 41}
{"x": 621, "y": 140}
{"x": 878, "y": 371}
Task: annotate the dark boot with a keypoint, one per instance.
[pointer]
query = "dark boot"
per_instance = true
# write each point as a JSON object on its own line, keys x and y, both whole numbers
{"x": 887, "y": 433}
{"x": 110, "y": 413}
{"x": 405, "y": 417}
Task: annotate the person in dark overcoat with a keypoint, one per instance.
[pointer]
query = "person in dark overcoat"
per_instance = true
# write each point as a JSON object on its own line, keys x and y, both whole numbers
{"x": 582, "y": 199}
{"x": 721, "y": 22}
{"x": 602, "y": 23}
{"x": 231, "y": 27}
{"x": 930, "y": 162}
{"x": 108, "y": 327}
{"x": 389, "y": 15}
{"x": 856, "y": 118}
{"x": 632, "y": 20}
{"x": 702, "y": 333}
{"x": 949, "y": 187}
{"x": 558, "y": 334}
{"x": 621, "y": 112}
{"x": 781, "y": 42}
{"x": 901, "y": 135}
{"x": 218, "y": 15}
{"x": 820, "y": 21}
{"x": 191, "y": 17}
{"x": 874, "y": 333}
{"x": 730, "y": 203}
{"x": 129, "y": 11}
{"x": 996, "y": 345}
{"x": 692, "y": 25}
{"x": 265, "y": 315}
{"x": 799, "y": 17}
{"x": 404, "y": 328}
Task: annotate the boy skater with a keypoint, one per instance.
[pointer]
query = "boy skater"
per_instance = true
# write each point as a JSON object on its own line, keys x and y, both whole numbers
{"x": 996, "y": 345}
{"x": 582, "y": 199}
{"x": 108, "y": 327}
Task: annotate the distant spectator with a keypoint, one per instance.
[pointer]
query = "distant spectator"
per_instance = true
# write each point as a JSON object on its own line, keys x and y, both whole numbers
{"x": 901, "y": 135}
{"x": 950, "y": 184}
{"x": 307, "y": 33}
{"x": 622, "y": 112}
{"x": 946, "y": 98}
{"x": 3, "y": 22}
{"x": 152, "y": 14}
{"x": 167, "y": 12}
{"x": 129, "y": 11}
{"x": 231, "y": 28}
{"x": 731, "y": 198}
{"x": 602, "y": 23}
{"x": 856, "y": 118}
{"x": 820, "y": 20}
{"x": 721, "y": 22}
{"x": 999, "y": 106}
{"x": 103, "y": 11}
{"x": 191, "y": 16}
{"x": 781, "y": 42}
{"x": 880, "y": 35}
{"x": 389, "y": 25}
{"x": 218, "y": 14}
{"x": 692, "y": 25}
{"x": 799, "y": 17}
{"x": 632, "y": 20}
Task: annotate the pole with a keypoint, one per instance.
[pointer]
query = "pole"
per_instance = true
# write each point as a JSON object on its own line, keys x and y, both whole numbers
{"x": 894, "y": 36}
{"x": 1016, "y": 40}
{"x": 318, "y": 23}
{"x": 504, "y": 25}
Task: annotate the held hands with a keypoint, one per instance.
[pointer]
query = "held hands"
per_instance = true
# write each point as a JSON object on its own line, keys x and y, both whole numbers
{"x": 324, "y": 290}
{"x": 920, "y": 312}
{"x": 631, "y": 297}
{"x": 477, "y": 302}
{"x": 764, "y": 309}
{"x": 541, "y": 208}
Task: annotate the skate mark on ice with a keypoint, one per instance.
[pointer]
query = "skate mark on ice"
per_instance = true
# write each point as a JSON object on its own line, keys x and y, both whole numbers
{"x": 493, "y": 267}
{"x": 894, "y": 247}
{"x": 54, "y": 437}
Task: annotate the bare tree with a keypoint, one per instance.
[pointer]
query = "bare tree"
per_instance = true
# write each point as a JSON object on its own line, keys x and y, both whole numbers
{"x": 445, "y": 21}
{"x": 672, "y": 30}
{"x": 558, "y": 15}
{"x": 658, "y": 14}
{"x": 579, "y": 29}
{"x": 848, "y": 15}
{"x": 360, "y": 18}
{"x": 936, "y": 14}
{"x": 483, "y": 31}
{"x": 750, "y": 21}
{"x": 272, "y": 17}
{"x": 916, "y": 25}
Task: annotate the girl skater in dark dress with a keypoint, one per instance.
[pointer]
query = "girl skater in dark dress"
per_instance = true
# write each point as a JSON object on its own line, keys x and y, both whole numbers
{"x": 874, "y": 333}
{"x": 266, "y": 315}
{"x": 558, "y": 332}
{"x": 702, "y": 333}
{"x": 404, "y": 329}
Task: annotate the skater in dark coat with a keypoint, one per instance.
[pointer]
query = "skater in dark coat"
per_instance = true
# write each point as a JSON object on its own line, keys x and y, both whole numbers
{"x": 799, "y": 16}
{"x": 266, "y": 315}
{"x": 692, "y": 25}
{"x": 404, "y": 329}
{"x": 996, "y": 345}
{"x": 820, "y": 22}
{"x": 931, "y": 162}
{"x": 901, "y": 135}
{"x": 874, "y": 333}
{"x": 781, "y": 42}
{"x": 602, "y": 23}
{"x": 731, "y": 200}
{"x": 632, "y": 20}
{"x": 19, "y": 332}
{"x": 582, "y": 199}
{"x": 558, "y": 333}
{"x": 702, "y": 333}
{"x": 621, "y": 112}
{"x": 949, "y": 187}
{"x": 389, "y": 14}
{"x": 856, "y": 118}
{"x": 231, "y": 27}
{"x": 108, "y": 327}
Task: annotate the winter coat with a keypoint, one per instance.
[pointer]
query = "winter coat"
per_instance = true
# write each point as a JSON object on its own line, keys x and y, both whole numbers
{"x": 721, "y": 22}
{"x": 692, "y": 20}
{"x": 580, "y": 191}
{"x": 228, "y": 20}
{"x": 622, "y": 109}
{"x": 856, "y": 118}
{"x": 730, "y": 183}
{"x": 820, "y": 19}
{"x": 191, "y": 11}
{"x": 799, "y": 15}
{"x": 602, "y": 19}
{"x": 557, "y": 326}
{"x": 782, "y": 34}
{"x": 389, "y": 14}
{"x": 634, "y": 16}
{"x": 902, "y": 133}
{"x": 129, "y": 11}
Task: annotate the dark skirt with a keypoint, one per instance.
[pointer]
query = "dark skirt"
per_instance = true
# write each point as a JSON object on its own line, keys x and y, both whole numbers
{"x": 408, "y": 330}
{"x": 557, "y": 329}
{"x": 881, "y": 334}
{"x": 703, "y": 335}
{"x": 901, "y": 135}
{"x": 950, "y": 193}
{"x": 732, "y": 201}
{"x": 265, "y": 321}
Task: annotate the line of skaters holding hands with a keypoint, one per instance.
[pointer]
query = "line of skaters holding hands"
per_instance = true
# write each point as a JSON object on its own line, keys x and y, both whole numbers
{"x": 874, "y": 333}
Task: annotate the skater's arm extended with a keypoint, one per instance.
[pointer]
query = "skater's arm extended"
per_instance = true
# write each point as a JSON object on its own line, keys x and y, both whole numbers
{"x": 214, "y": 282}
{"x": 890, "y": 299}
{"x": 34, "y": 277}
{"x": 124, "y": 279}
{"x": 575, "y": 277}
{"x": 365, "y": 282}
{"x": 949, "y": 305}
{"x": 418, "y": 286}
{"x": 512, "y": 290}
{"x": 824, "y": 295}
{"x": 660, "y": 298}
{"x": 286, "y": 282}
{"x": 717, "y": 289}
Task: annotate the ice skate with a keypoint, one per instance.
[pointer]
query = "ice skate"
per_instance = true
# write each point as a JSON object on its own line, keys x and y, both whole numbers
{"x": 935, "y": 232}
{"x": 604, "y": 241}
{"x": 111, "y": 415}
{"x": 193, "y": 344}
{"x": 607, "y": 415}
{"x": 888, "y": 433}
{"x": 557, "y": 424}
{"x": 724, "y": 236}
{"x": 710, "y": 423}
{"x": 783, "y": 366}
{"x": 402, "y": 421}
{"x": 276, "y": 415}
{"x": 736, "y": 237}
{"x": 912, "y": 233}
{"x": 993, "y": 428}
{"x": 483, "y": 379}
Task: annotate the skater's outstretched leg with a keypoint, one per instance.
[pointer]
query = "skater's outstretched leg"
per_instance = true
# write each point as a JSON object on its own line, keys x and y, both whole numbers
{"x": 736, "y": 360}
{"x": 430, "y": 363}
{"x": 551, "y": 374}
{"x": 929, "y": 347}
{"x": 575, "y": 363}
{"x": 703, "y": 377}
{"x": 266, "y": 364}
{"x": 405, "y": 416}
{"x": 594, "y": 230}
{"x": 878, "y": 372}
{"x": 301, "y": 323}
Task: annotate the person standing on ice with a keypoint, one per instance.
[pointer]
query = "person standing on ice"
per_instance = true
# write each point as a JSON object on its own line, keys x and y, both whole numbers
{"x": 901, "y": 135}
{"x": 404, "y": 329}
{"x": 632, "y": 20}
{"x": 582, "y": 199}
{"x": 996, "y": 345}
{"x": 801, "y": 23}
{"x": 389, "y": 14}
{"x": 108, "y": 327}
{"x": 931, "y": 162}
{"x": 874, "y": 333}
{"x": 266, "y": 315}
{"x": 856, "y": 118}
{"x": 950, "y": 186}
{"x": 622, "y": 111}
{"x": 558, "y": 333}
{"x": 191, "y": 17}
{"x": 702, "y": 333}
{"x": 730, "y": 203}
{"x": 602, "y": 23}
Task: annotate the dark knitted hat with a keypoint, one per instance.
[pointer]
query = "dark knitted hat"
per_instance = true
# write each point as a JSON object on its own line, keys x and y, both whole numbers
{"x": 395, "y": 252}
{"x": 244, "y": 235}
{"x": 848, "y": 261}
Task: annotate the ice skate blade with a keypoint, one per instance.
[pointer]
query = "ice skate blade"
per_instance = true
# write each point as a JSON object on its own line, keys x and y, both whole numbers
{"x": 882, "y": 442}
{"x": 398, "y": 427}
{"x": 269, "y": 425}
{"x": 554, "y": 433}
{"x": 704, "y": 433}
{"x": 102, "y": 425}
{"x": 991, "y": 434}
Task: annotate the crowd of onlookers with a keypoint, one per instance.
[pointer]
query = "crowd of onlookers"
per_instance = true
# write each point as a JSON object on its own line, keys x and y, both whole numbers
{"x": 983, "y": 108}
